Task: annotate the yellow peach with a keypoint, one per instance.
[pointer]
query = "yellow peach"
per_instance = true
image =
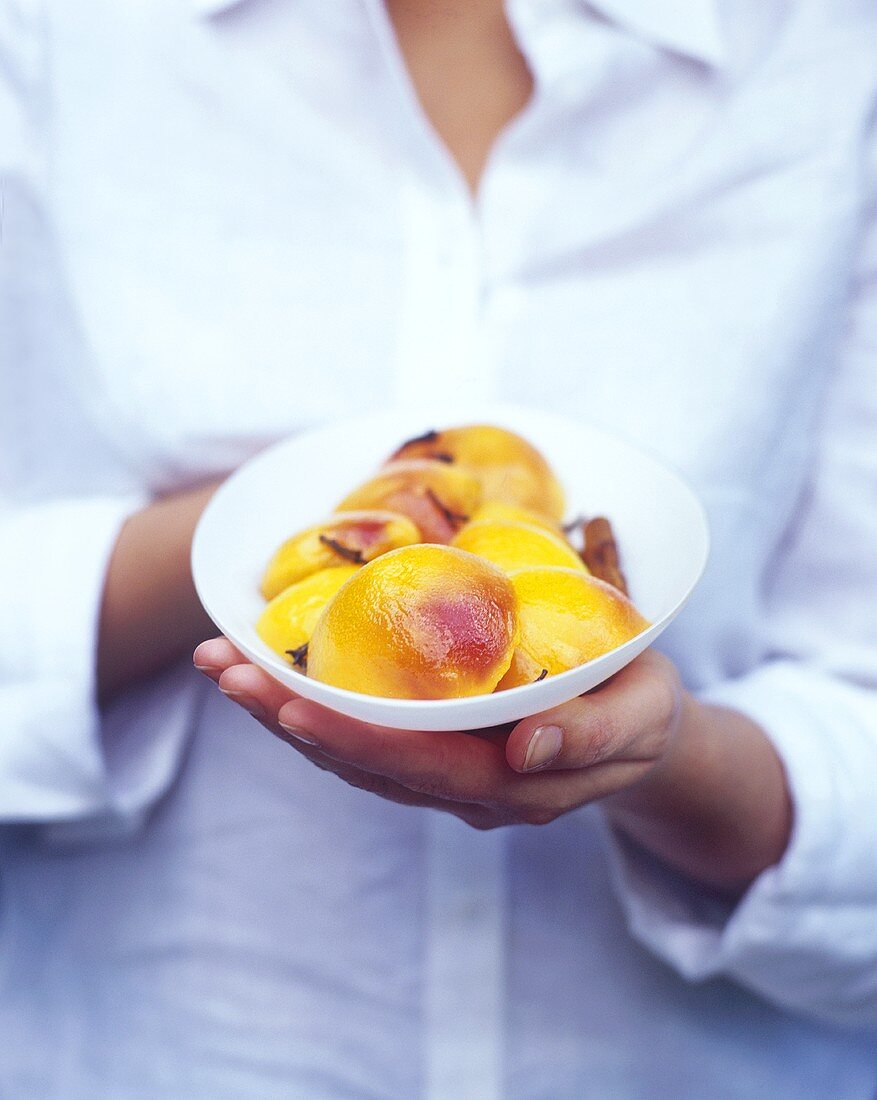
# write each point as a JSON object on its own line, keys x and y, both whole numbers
{"x": 567, "y": 618}
{"x": 514, "y": 513}
{"x": 514, "y": 546}
{"x": 288, "y": 621}
{"x": 437, "y": 497}
{"x": 343, "y": 539}
{"x": 509, "y": 468}
{"x": 423, "y": 622}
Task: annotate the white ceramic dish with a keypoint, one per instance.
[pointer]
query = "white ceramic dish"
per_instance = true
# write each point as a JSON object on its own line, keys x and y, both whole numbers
{"x": 659, "y": 523}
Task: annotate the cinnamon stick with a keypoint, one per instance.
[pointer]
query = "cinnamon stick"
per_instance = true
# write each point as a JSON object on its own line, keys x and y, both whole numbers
{"x": 601, "y": 553}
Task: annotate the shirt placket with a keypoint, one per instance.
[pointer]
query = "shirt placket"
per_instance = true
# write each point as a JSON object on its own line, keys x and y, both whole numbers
{"x": 464, "y": 979}
{"x": 443, "y": 370}
{"x": 442, "y": 365}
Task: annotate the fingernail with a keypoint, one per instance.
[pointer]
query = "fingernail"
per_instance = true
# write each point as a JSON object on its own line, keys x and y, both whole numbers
{"x": 297, "y": 734}
{"x": 543, "y": 747}
{"x": 245, "y": 700}
{"x": 208, "y": 670}
{"x": 201, "y": 652}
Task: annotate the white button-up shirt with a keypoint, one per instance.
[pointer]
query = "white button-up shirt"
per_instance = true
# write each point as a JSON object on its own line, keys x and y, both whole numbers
{"x": 222, "y": 222}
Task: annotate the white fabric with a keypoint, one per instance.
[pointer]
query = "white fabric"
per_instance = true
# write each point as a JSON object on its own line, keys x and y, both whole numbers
{"x": 222, "y": 222}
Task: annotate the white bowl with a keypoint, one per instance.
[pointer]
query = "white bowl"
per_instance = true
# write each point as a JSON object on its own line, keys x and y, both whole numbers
{"x": 659, "y": 523}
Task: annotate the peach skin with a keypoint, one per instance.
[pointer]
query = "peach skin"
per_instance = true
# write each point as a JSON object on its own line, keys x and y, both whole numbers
{"x": 437, "y": 497}
{"x": 508, "y": 468}
{"x": 288, "y": 621}
{"x": 513, "y": 513}
{"x": 422, "y": 622}
{"x": 344, "y": 539}
{"x": 567, "y": 618}
{"x": 513, "y": 546}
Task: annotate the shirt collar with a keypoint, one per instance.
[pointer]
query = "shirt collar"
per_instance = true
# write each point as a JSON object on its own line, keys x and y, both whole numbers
{"x": 690, "y": 27}
{"x": 213, "y": 7}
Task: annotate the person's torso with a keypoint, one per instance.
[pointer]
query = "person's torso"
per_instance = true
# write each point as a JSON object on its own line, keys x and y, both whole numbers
{"x": 257, "y": 231}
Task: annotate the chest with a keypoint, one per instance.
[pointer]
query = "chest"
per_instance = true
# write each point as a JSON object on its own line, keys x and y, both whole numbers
{"x": 262, "y": 232}
{"x": 467, "y": 71}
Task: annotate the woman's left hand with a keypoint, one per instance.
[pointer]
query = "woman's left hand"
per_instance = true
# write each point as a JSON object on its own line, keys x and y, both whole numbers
{"x": 530, "y": 773}
{"x": 657, "y": 759}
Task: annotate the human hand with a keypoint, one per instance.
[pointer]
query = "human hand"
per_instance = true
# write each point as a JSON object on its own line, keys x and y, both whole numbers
{"x": 530, "y": 773}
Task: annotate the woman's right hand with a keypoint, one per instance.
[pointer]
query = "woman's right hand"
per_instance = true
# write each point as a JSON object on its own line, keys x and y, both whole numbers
{"x": 700, "y": 788}
{"x": 150, "y": 614}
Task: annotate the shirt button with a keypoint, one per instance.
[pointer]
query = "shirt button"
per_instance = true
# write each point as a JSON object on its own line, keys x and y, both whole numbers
{"x": 471, "y": 911}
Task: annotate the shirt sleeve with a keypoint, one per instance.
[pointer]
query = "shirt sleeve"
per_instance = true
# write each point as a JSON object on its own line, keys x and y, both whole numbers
{"x": 65, "y": 492}
{"x": 805, "y": 934}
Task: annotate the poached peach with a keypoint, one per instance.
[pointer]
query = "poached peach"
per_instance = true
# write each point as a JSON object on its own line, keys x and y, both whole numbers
{"x": 438, "y": 498}
{"x": 347, "y": 538}
{"x": 288, "y": 621}
{"x": 567, "y": 618}
{"x": 513, "y": 546}
{"x": 508, "y": 468}
{"x": 422, "y": 622}
{"x": 513, "y": 513}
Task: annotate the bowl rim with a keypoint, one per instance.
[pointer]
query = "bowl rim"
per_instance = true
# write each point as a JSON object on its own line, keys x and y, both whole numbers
{"x": 273, "y": 663}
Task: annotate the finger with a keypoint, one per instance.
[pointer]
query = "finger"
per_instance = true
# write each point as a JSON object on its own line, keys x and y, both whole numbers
{"x": 451, "y": 767}
{"x": 628, "y": 718}
{"x": 406, "y": 770}
{"x": 388, "y": 789}
{"x": 444, "y": 765}
{"x": 497, "y": 735}
{"x": 263, "y": 697}
{"x": 258, "y": 693}
{"x": 214, "y": 656}
{"x": 252, "y": 688}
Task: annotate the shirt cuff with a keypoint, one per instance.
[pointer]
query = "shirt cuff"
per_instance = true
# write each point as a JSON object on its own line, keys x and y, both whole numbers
{"x": 804, "y": 935}
{"x": 57, "y": 760}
